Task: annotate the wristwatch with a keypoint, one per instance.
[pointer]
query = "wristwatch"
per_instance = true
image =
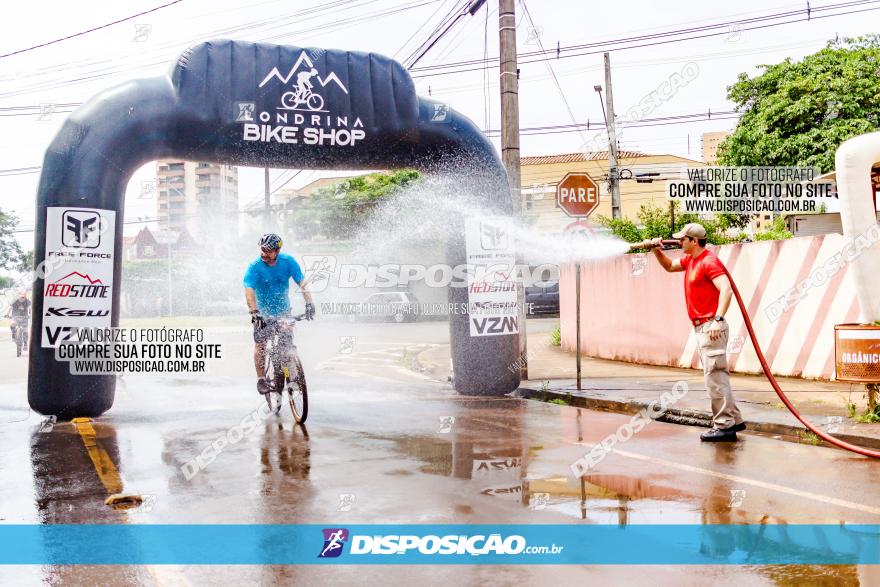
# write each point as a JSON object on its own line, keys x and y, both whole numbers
{"x": 719, "y": 318}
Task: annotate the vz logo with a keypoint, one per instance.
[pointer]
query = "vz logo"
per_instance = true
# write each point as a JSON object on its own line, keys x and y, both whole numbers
{"x": 496, "y": 325}
{"x": 334, "y": 540}
{"x": 81, "y": 229}
{"x": 70, "y": 334}
{"x": 493, "y": 237}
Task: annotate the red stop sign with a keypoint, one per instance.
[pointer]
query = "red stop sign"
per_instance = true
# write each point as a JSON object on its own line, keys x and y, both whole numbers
{"x": 577, "y": 194}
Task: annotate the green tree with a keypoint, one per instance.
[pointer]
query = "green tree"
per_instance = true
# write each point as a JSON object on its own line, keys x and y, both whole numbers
{"x": 655, "y": 222}
{"x": 775, "y": 232}
{"x": 10, "y": 250}
{"x": 799, "y": 112}
{"x": 337, "y": 211}
{"x": 26, "y": 262}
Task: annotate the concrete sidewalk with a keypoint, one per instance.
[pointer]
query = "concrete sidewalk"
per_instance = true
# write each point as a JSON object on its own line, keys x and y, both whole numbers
{"x": 627, "y": 387}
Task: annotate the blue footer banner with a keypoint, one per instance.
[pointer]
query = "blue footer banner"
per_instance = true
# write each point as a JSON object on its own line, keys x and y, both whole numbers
{"x": 439, "y": 544}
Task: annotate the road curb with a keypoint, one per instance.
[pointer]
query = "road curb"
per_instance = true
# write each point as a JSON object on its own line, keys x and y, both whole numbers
{"x": 689, "y": 417}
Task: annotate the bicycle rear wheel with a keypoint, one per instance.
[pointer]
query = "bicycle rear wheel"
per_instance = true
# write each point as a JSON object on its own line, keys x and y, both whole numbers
{"x": 297, "y": 394}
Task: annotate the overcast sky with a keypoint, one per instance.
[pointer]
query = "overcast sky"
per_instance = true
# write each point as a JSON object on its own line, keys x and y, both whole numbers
{"x": 73, "y": 70}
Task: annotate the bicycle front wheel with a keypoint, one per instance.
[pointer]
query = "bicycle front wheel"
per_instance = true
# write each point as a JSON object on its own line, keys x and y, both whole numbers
{"x": 275, "y": 379}
{"x": 297, "y": 393}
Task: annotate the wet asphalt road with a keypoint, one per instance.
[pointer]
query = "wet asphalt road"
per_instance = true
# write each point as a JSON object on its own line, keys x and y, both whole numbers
{"x": 385, "y": 445}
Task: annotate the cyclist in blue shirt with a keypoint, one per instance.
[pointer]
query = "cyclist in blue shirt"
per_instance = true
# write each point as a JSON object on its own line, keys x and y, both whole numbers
{"x": 266, "y": 286}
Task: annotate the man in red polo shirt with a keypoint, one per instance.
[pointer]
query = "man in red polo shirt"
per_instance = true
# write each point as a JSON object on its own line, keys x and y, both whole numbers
{"x": 707, "y": 295}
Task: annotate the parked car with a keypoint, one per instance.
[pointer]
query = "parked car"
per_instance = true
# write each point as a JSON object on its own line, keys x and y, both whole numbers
{"x": 544, "y": 299}
{"x": 393, "y": 306}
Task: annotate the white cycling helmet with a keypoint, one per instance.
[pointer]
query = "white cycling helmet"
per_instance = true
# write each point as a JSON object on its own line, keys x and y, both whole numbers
{"x": 270, "y": 242}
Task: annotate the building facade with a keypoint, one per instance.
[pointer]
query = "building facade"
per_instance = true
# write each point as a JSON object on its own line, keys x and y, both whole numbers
{"x": 711, "y": 140}
{"x": 286, "y": 198}
{"x": 198, "y": 198}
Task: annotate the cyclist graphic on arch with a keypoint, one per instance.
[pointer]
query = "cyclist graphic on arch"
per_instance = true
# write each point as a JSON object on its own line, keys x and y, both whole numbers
{"x": 303, "y": 94}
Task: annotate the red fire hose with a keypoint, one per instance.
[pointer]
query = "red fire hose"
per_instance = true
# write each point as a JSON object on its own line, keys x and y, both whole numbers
{"x": 826, "y": 437}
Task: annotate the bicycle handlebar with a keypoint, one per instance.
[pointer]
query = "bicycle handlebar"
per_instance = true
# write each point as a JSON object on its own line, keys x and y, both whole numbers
{"x": 283, "y": 319}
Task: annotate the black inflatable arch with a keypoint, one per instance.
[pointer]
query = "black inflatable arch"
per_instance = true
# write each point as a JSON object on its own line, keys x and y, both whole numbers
{"x": 224, "y": 101}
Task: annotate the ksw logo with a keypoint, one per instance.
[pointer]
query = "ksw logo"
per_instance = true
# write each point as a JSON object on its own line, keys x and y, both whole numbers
{"x": 303, "y": 95}
{"x": 70, "y": 312}
{"x": 496, "y": 325}
{"x": 334, "y": 540}
{"x": 493, "y": 237}
{"x": 81, "y": 229}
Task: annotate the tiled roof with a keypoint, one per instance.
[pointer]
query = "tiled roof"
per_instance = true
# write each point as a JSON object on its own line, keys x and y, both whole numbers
{"x": 577, "y": 157}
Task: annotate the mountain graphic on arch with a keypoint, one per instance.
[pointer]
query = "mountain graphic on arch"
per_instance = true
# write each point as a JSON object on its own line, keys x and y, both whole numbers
{"x": 301, "y": 60}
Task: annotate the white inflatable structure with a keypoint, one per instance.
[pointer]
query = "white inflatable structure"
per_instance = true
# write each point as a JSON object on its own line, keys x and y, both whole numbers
{"x": 853, "y": 162}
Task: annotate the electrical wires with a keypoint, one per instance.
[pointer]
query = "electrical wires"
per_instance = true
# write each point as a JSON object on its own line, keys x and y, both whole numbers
{"x": 103, "y": 26}
{"x": 664, "y": 37}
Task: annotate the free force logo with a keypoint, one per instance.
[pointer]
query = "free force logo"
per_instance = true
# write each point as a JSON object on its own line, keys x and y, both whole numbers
{"x": 493, "y": 237}
{"x": 81, "y": 229}
{"x": 334, "y": 540}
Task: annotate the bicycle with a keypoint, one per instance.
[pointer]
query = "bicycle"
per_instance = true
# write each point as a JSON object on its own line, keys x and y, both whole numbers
{"x": 283, "y": 369}
{"x": 20, "y": 335}
{"x": 312, "y": 101}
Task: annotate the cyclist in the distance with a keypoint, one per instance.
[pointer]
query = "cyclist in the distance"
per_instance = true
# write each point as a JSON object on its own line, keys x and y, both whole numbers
{"x": 19, "y": 311}
{"x": 266, "y": 286}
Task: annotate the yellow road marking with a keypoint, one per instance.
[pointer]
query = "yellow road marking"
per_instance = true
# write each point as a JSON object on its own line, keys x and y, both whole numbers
{"x": 112, "y": 481}
{"x": 754, "y": 482}
{"x": 104, "y": 466}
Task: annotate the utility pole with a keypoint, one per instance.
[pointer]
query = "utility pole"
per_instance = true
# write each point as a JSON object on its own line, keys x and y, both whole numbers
{"x": 509, "y": 100}
{"x": 266, "y": 205}
{"x": 612, "y": 142}
{"x": 509, "y": 84}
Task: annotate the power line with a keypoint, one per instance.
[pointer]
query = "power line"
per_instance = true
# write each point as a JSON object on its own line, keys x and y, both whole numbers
{"x": 604, "y": 45}
{"x": 296, "y": 17}
{"x": 698, "y": 117}
{"x": 636, "y": 42}
{"x": 549, "y": 66}
{"x": 97, "y": 28}
{"x": 457, "y": 13}
{"x": 418, "y": 30}
{"x": 487, "y": 103}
